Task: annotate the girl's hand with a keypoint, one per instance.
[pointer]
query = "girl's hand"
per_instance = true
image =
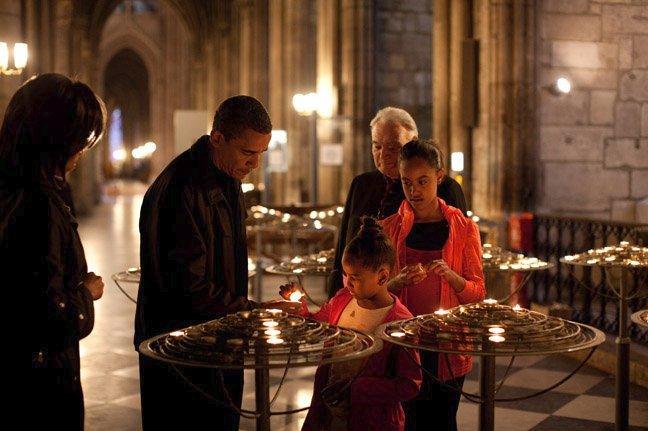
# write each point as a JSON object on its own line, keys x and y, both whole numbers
{"x": 441, "y": 268}
{"x": 285, "y": 290}
{"x": 410, "y": 274}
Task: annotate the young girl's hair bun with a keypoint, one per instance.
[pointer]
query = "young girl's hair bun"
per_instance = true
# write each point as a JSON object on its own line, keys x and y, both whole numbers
{"x": 371, "y": 247}
{"x": 370, "y": 225}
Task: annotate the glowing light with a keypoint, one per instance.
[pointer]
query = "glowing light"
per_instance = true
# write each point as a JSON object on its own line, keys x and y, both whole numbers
{"x": 624, "y": 243}
{"x": 296, "y": 259}
{"x": 330, "y": 213}
{"x": 270, "y": 324}
{"x": 441, "y": 312}
{"x": 457, "y": 161}
{"x": 296, "y": 296}
{"x": 119, "y": 154}
{"x": 318, "y": 224}
{"x": 496, "y": 338}
{"x": 487, "y": 255}
{"x": 298, "y": 271}
{"x": 177, "y": 333}
{"x": 517, "y": 307}
{"x": 321, "y": 259}
{"x": 563, "y": 85}
{"x": 272, "y": 332}
{"x": 397, "y": 334}
{"x": 247, "y": 187}
{"x": 496, "y": 330}
{"x": 275, "y": 340}
{"x": 490, "y": 301}
{"x": 273, "y": 310}
{"x": 339, "y": 210}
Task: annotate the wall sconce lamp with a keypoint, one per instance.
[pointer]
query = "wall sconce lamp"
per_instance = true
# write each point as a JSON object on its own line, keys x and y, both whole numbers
{"x": 20, "y": 53}
{"x": 561, "y": 87}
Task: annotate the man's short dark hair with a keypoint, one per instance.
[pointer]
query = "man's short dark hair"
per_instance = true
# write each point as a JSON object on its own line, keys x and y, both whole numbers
{"x": 240, "y": 113}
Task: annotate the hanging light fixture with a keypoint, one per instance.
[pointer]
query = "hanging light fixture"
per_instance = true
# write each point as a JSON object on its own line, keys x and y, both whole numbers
{"x": 20, "y": 54}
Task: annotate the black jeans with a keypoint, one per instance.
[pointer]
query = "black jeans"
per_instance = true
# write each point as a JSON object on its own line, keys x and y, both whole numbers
{"x": 435, "y": 408}
{"x": 168, "y": 402}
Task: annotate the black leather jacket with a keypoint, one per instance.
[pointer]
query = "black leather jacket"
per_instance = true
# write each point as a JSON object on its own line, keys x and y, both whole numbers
{"x": 42, "y": 255}
{"x": 193, "y": 250}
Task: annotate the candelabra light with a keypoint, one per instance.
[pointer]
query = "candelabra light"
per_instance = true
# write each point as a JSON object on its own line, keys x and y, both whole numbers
{"x": 623, "y": 256}
{"x": 489, "y": 329}
{"x": 20, "y": 54}
{"x": 260, "y": 339}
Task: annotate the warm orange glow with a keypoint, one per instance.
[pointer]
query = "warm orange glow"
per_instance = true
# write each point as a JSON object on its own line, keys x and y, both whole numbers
{"x": 296, "y": 296}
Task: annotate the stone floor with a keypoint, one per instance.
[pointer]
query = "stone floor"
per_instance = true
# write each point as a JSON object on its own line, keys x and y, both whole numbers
{"x": 110, "y": 373}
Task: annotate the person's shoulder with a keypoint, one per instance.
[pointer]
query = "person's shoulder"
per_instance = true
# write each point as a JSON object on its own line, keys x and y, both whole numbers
{"x": 400, "y": 311}
{"x": 370, "y": 177}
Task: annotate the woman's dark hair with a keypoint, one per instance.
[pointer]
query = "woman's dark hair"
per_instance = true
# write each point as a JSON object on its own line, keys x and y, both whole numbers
{"x": 371, "y": 247}
{"x": 424, "y": 149}
{"x": 240, "y": 113}
{"x": 48, "y": 120}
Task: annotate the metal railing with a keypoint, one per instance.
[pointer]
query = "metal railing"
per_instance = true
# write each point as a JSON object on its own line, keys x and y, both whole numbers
{"x": 586, "y": 289}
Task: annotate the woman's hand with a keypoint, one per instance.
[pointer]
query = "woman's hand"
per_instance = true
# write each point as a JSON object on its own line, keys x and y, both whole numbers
{"x": 94, "y": 284}
{"x": 410, "y": 274}
{"x": 441, "y": 268}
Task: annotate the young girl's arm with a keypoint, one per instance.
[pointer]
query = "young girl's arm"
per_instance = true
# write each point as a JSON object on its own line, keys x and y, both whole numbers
{"x": 474, "y": 289}
{"x": 387, "y": 390}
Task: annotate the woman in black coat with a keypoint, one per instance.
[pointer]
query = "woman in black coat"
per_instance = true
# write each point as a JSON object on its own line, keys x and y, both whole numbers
{"x": 48, "y": 124}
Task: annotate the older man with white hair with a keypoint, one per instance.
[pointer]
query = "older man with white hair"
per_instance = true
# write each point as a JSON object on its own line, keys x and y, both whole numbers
{"x": 379, "y": 193}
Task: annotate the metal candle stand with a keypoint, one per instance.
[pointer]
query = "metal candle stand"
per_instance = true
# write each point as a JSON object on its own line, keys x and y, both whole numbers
{"x": 260, "y": 339}
{"x": 496, "y": 260}
{"x": 488, "y": 329}
{"x": 624, "y": 256}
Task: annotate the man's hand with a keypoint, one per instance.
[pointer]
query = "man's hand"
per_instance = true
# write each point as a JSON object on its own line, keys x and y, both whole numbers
{"x": 94, "y": 284}
{"x": 283, "y": 305}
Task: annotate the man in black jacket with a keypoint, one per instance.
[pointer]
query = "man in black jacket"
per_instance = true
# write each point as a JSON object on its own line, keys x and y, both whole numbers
{"x": 379, "y": 193}
{"x": 194, "y": 264}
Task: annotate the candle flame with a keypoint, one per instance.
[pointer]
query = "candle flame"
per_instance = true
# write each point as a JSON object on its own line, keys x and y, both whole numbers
{"x": 296, "y": 296}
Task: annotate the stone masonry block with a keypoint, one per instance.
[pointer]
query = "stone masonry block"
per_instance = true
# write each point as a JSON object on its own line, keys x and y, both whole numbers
{"x": 644, "y": 119}
{"x": 625, "y": 152}
{"x": 625, "y": 53}
{"x": 567, "y": 110}
{"x": 571, "y": 6}
{"x": 634, "y": 85}
{"x": 625, "y": 19}
{"x": 583, "y": 186}
{"x": 602, "y": 107}
{"x": 397, "y": 62}
{"x": 571, "y": 27}
{"x": 573, "y": 143}
{"x": 628, "y": 119}
{"x": 624, "y": 211}
{"x": 639, "y": 184}
{"x": 585, "y": 54}
{"x": 641, "y": 51}
{"x": 582, "y": 78}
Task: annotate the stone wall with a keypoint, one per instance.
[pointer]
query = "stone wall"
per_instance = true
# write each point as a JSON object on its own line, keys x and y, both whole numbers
{"x": 403, "y": 58}
{"x": 593, "y": 142}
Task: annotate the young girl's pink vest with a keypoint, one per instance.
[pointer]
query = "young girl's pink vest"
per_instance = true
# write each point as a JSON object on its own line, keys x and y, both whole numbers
{"x": 462, "y": 253}
{"x": 375, "y": 395}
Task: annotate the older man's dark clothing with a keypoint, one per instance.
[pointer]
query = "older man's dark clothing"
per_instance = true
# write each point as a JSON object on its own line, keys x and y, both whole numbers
{"x": 373, "y": 194}
{"x": 194, "y": 268}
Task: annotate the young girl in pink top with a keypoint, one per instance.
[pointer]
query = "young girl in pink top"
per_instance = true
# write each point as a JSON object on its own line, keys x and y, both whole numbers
{"x": 366, "y": 394}
{"x": 438, "y": 262}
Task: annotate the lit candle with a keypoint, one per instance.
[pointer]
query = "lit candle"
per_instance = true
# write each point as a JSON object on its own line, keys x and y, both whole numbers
{"x": 487, "y": 255}
{"x": 272, "y": 332}
{"x": 441, "y": 312}
{"x": 270, "y": 324}
{"x": 275, "y": 340}
{"x": 296, "y": 259}
{"x": 570, "y": 258}
{"x": 496, "y": 330}
{"x": 397, "y": 334}
{"x": 177, "y": 333}
{"x": 496, "y": 338}
{"x": 623, "y": 243}
{"x": 490, "y": 301}
{"x": 298, "y": 270}
{"x": 321, "y": 259}
{"x": 517, "y": 307}
{"x": 273, "y": 310}
{"x": 296, "y": 296}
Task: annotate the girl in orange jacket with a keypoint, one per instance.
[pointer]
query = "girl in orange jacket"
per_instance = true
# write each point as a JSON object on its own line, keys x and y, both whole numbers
{"x": 438, "y": 262}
